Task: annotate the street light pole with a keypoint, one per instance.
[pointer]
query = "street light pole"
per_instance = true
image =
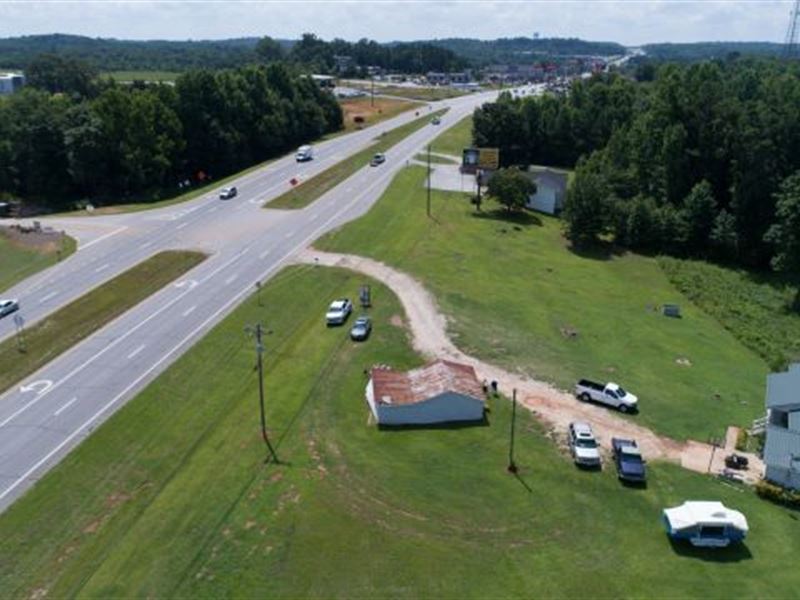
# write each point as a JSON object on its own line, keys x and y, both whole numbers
{"x": 428, "y": 209}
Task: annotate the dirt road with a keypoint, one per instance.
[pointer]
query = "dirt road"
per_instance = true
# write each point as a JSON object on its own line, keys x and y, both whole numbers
{"x": 555, "y": 407}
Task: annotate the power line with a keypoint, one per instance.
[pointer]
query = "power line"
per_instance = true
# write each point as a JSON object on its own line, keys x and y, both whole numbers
{"x": 258, "y": 332}
{"x": 790, "y": 44}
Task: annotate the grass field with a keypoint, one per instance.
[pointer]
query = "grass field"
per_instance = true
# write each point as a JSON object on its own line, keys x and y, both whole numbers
{"x": 425, "y": 94}
{"x": 454, "y": 140}
{"x": 753, "y": 307}
{"x": 188, "y": 508}
{"x": 19, "y": 262}
{"x": 435, "y": 159}
{"x": 311, "y": 189}
{"x": 517, "y": 296}
{"x": 64, "y": 328}
{"x": 372, "y": 112}
{"x": 130, "y": 76}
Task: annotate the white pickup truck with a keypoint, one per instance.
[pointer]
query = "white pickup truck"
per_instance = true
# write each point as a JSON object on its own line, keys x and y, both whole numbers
{"x": 610, "y": 394}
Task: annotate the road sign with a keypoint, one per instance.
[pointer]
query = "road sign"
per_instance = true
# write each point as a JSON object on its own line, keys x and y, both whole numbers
{"x": 19, "y": 321}
{"x": 489, "y": 158}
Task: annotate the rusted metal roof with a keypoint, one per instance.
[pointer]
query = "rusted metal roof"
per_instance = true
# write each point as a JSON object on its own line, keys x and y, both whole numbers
{"x": 418, "y": 385}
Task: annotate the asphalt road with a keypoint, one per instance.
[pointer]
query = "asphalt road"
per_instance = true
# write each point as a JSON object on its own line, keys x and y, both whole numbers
{"x": 52, "y": 411}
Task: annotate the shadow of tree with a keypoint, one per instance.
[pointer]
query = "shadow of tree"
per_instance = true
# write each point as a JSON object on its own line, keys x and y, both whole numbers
{"x": 517, "y": 217}
{"x": 599, "y": 250}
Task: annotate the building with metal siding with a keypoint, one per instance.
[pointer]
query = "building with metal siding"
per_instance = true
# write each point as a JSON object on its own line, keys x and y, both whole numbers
{"x": 782, "y": 445}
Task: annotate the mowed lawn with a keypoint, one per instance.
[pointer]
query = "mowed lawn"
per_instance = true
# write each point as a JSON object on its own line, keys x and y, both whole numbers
{"x": 172, "y": 497}
{"x": 517, "y": 296}
{"x": 454, "y": 140}
{"x": 18, "y": 262}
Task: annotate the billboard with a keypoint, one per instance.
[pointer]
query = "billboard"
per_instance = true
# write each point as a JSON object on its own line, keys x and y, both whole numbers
{"x": 473, "y": 159}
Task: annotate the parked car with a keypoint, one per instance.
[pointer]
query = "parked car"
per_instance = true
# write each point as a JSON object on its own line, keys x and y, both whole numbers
{"x": 610, "y": 394}
{"x": 304, "y": 153}
{"x": 629, "y": 461}
{"x": 436, "y": 121}
{"x": 378, "y": 159}
{"x": 338, "y": 311}
{"x": 361, "y": 329}
{"x": 736, "y": 461}
{"x": 582, "y": 445}
{"x": 228, "y": 193}
{"x": 8, "y": 306}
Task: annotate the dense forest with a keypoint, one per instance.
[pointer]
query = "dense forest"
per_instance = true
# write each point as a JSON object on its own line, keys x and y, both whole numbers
{"x": 710, "y": 50}
{"x": 522, "y": 50}
{"x": 69, "y": 139}
{"x": 698, "y": 162}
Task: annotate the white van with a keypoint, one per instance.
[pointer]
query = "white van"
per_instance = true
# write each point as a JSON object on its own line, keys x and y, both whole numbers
{"x": 304, "y": 153}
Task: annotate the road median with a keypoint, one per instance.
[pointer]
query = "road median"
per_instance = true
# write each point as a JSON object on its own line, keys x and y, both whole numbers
{"x": 308, "y": 191}
{"x": 39, "y": 344}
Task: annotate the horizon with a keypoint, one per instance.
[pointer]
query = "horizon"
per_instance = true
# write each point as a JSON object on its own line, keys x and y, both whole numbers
{"x": 631, "y": 23}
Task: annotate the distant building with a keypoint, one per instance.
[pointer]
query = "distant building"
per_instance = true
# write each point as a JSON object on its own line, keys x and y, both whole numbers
{"x": 325, "y": 81}
{"x": 11, "y": 82}
{"x": 551, "y": 191}
{"x": 342, "y": 62}
{"x": 440, "y": 392}
{"x": 439, "y": 78}
{"x": 782, "y": 446}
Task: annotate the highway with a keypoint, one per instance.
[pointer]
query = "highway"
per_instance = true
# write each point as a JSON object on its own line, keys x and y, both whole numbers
{"x": 52, "y": 411}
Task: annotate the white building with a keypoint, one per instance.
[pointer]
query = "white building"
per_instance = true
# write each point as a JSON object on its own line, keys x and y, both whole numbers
{"x": 551, "y": 191}
{"x": 782, "y": 446}
{"x": 440, "y": 392}
{"x": 11, "y": 82}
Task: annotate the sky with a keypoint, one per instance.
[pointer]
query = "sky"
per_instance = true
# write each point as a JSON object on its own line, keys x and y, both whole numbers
{"x": 630, "y": 22}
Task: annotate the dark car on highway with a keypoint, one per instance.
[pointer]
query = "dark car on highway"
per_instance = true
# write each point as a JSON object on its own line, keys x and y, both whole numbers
{"x": 361, "y": 329}
{"x": 378, "y": 159}
{"x": 8, "y": 306}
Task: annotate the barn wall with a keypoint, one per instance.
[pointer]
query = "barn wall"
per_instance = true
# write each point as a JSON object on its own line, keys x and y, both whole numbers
{"x": 447, "y": 407}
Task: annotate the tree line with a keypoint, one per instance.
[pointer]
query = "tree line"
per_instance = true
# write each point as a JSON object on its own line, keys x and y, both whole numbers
{"x": 703, "y": 161}
{"x": 112, "y": 142}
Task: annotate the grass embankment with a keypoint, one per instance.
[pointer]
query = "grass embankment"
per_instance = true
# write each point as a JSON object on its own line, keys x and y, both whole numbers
{"x": 311, "y": 189}
{"x": 518, "y": 297}
{"x": 188, "y": 508}
{"x": 754, "y": 307}
{"x": 58, "y": 332}
{"x": 425, "y": 94}
{"x": 454, "y": 140}
{"x": 435, "y": 159}
{"x": 372, "y": 112}
{"x": 131, "y": 76}
{"x": 18, "y": 261}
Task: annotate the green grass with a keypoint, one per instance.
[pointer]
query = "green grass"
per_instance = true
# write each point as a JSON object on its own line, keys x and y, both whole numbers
{"x": 515, "y": 294}
{"x": 19, "y": 263}
{"x": 130, "y": 76}
{"x": 311, "y": 189}
{"x": 197, "y": 191}
{"x": 56, "y": 333}
{"x": 755, "y": 308}
{"x": 435, "y": 159}
{"x": 454, "y": 140}
{"x": 172, "y": 498}
{"x": 426, "y": 94}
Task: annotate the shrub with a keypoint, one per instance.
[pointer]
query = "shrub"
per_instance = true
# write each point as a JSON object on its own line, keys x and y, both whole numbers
{"x": 779, "y": 495}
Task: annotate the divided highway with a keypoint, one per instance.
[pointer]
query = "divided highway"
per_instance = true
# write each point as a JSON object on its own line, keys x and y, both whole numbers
{"x": 49, "y": 413}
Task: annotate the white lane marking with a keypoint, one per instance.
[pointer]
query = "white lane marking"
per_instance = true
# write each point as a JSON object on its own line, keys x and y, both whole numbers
{"x": 44, "y": 384}
{"x": 65, "y": 407}
{"x": 101, "y": 238}
{"x": 231, "y": 279}
{"x": 313, "y": 217}
{"x": 264, "y": 254}
{"x": 181, "y": 226}
{"x": 289, "y": 234}
{"x": 188, "y": 311}
{"x": 146, "y": 245}
{"x": 102, "y": 268}
{"x": 213, "y": 208}
{"x": 94, "y": 357}
{"x": 241, "y": 206}
{"x": 135, "y": 352}
{"x": 247, "y": 289}
{"x": 224, "y": 265}
{"x": 44, "y": 299}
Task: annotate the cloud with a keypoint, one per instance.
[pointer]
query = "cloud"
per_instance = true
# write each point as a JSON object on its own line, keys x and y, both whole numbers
{"x": 627, "y": 21}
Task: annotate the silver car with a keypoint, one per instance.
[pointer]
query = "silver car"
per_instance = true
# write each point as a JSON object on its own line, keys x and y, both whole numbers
{"x": 8, "y": 306}
{"x": 583, "y": 445}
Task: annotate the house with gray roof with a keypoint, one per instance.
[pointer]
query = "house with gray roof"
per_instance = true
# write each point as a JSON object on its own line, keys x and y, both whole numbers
{"x": 782, "y": 446}
{"x": 551, "y": 191}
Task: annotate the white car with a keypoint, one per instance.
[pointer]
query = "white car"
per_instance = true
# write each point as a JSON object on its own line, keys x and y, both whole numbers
{"x": 582, "y": 445}
{"x": 228, "y": 193}
{"x": 338, "y": 311}
{"x": 610, "y": 394}
{"x": 304, "y": 153}
{"x": 8, "y": 306}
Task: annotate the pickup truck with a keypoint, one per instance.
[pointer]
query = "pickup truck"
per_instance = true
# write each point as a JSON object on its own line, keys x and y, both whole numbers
{"x": 628, "y": 459}
{"x": 610, "y": 394}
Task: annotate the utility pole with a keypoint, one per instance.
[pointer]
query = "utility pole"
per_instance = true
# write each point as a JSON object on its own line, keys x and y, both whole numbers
{"x": 428, "y": 210}
{"x": 792, "y": 32}
{"x": 258, "y": 330}
{"x": 372, "y": 91}
{"x": 19, "y": 322}
{"x": 512, "y": 467}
